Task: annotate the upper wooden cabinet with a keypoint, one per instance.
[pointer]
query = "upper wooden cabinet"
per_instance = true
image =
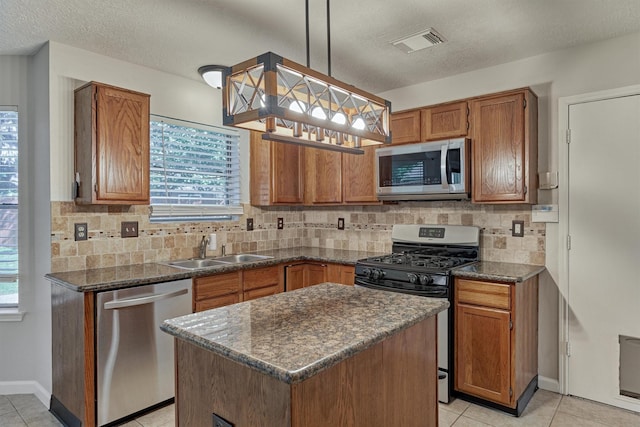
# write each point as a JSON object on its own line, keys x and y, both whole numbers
{"x": 111, "y": 145}
{"x": 286, "y": 174}
{"x": 358, "y": 177}
{"x": 444, "y": 121}
{"x": 276, "y": 173}
{"x": 504, "y": 132}
{"x": 427, "y": 124}
{"x": 323, "y": 177}
{"x": 405, "y": 127}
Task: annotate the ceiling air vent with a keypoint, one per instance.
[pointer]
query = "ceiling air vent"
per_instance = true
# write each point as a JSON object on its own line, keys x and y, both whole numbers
{"x": 421, "y": 40}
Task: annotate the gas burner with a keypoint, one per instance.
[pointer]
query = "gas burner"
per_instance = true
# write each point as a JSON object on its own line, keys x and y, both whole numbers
{"x": 436, "y": 262}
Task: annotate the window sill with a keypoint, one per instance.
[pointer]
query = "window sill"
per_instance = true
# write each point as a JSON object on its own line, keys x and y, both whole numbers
{"x": 11, "y": 315}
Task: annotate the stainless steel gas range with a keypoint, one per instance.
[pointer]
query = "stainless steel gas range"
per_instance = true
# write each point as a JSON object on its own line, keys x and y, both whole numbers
{"x": 421, "y": 263}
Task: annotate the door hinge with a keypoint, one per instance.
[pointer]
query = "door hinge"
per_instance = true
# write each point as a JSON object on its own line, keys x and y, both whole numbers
{"x": 568, "y": 349}
{"x": 568, "y": 136}
{"x": 568, "y": 242}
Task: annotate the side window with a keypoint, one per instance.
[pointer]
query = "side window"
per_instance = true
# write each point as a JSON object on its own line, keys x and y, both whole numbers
{"x": 8, "y": 206}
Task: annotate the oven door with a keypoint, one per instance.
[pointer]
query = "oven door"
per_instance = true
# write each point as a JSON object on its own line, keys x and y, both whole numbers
{"x": 429, "y": 170}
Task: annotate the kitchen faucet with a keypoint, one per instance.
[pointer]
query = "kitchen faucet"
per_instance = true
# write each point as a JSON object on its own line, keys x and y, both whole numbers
{"x": 203, "y": 247}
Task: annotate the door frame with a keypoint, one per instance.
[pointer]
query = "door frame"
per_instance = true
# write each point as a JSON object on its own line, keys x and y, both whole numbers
{"x": 564, "y": 103}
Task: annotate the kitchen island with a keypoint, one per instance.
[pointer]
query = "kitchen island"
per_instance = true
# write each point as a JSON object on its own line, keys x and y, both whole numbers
{"x": 328, "y": 355}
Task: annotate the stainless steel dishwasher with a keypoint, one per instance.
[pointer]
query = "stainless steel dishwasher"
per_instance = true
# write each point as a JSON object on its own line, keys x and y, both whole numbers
{"x": 134, "y": 358}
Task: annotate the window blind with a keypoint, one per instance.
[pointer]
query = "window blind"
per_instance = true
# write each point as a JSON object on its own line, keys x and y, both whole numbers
{"x": 195, "y": 171}
{"x": 8, "y": 206}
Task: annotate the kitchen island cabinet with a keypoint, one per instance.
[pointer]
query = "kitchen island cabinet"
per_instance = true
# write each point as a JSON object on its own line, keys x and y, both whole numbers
{"x": 496, "y": 335}
{"x": 353, "y": 357}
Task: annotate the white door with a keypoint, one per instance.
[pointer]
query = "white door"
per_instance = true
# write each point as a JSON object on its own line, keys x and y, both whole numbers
{"x": 604, "y": 259}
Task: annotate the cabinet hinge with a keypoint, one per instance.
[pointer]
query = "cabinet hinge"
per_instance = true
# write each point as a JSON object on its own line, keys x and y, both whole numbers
{"x": 568, "y": 137}
{"x": 467, "y": 125}
{"x": 526, "y": 189}
{"x": 568, "y": 242}
{"x": 510, "y": 392}
{"x": 510, "y": 324}
{"x": 524, "y": 103}
{"x": 95, "y": 188}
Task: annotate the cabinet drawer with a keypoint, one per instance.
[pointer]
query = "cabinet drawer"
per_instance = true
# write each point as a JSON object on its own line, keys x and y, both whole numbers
{"x": 261, "y": 277}
{"x": 262, "y": 292}
{"x": 486, "y": 294}
{"x": 219, "y": 284}
{"x": 216, "y": 302}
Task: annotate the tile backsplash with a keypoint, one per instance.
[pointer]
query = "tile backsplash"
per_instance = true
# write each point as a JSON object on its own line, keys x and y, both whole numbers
{"x": 366, "y": 228}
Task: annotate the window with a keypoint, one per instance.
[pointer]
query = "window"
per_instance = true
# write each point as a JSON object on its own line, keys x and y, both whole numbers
{"x": 8, "y": 206}
{"x": 195, "y": 171}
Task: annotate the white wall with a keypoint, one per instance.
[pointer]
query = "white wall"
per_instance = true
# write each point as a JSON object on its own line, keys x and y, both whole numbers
{"x": 25, "y": 361}
{"x": 608, "y": 64}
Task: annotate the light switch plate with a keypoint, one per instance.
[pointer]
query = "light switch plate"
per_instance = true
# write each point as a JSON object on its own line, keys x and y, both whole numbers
{"x": 129, "y": 228}
{"x": 249, "y": 224}
{"x": 340, "y": 223}
{"x": 517, "y": 228}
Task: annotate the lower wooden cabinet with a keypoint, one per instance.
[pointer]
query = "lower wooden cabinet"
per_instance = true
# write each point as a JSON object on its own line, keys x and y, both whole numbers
{"x": 303, "y": 274}
{"x": 223, "y": 289}
{"x": 496, "y": 342}
{"x": 341, "y": 273}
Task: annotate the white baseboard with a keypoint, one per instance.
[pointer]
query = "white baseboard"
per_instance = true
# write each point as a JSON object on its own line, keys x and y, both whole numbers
{"x": 549, "y": 384}
{"x": 26, "y": 387}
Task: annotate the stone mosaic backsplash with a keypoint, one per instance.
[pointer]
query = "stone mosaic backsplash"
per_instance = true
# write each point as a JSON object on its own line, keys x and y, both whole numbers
{"x": 366, "y": 228}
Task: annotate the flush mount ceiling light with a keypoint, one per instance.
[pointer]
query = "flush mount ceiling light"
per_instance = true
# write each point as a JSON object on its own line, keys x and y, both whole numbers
{"x": 295, "y": 104}
{"x": 418, "y": 41}
{"x": 212, "y": 74}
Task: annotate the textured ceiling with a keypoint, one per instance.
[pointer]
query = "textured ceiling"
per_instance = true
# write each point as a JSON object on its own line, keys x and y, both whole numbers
{"x": 178, "y": 36}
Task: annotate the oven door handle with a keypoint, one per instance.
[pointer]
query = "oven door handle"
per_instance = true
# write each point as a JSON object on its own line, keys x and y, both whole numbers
{"x": 444, "y": 154}
{"x": 440, "y": 293}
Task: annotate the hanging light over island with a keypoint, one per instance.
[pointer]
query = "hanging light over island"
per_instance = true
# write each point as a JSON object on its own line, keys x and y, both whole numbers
{"x": 295, "y": 104}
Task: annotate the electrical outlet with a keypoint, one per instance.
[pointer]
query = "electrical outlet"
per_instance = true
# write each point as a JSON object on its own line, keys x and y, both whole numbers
{"x": 218, "y": 421}
{"x": 249, "y": 224}
{"x": 517, "y": 228}
{"x": 340, "y": 223}
{"x": 129, "y": 229}
{"x": 80, "y": 231}
{"x": 280, "y": 223}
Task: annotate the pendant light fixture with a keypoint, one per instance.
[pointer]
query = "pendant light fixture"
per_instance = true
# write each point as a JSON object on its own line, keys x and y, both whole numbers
{"x": 295, "y": 104}
{"x": 212, "y": 74}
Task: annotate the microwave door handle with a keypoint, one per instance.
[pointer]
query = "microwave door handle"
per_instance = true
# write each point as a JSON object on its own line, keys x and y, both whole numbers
{"x": 444, "y": 156}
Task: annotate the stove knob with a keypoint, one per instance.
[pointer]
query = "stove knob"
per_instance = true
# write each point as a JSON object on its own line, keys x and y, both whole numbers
{"x": 367, "y": 273}
{"x": 412, "y": 278}
{"x": 382, "y": 274}
{"x": 425, "y": 279}
{"x": 376, "y": 274}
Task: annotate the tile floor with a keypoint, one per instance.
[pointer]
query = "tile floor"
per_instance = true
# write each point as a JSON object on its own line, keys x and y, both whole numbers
{"x": 545, "y": 409}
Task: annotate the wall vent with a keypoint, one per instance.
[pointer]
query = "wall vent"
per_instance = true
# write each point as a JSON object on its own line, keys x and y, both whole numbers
{"x": 418, "y": 41}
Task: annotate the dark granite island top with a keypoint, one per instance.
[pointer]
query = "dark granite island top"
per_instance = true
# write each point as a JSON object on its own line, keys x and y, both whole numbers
{"x": 294, "y": 335}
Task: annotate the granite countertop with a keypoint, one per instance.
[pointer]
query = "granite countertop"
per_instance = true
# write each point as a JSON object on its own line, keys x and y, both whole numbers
{"x": 499, "y": 271}
{"x": 294, "y": 335}
{"x": 110, "y": 278}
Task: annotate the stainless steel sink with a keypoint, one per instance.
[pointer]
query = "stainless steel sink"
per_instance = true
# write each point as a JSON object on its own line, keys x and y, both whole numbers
{"x": 193, "y": 264}
{"x": 238, "y": 258}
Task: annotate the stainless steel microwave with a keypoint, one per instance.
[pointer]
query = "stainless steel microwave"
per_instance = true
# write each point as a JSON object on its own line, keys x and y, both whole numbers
{"x": 437, "y": 170}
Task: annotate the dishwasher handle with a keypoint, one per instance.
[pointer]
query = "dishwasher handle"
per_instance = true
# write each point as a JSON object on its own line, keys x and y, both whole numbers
{"x": 132, "y": 302}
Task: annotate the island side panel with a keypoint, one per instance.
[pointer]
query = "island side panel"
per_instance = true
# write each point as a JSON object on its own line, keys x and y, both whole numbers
{"x": 393, "y": 383}
{"x": 348, "y": 394}
{"x": 72, "y": 331}
{"x": 411, "y": 376}
{"x": 208, "y": 383}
